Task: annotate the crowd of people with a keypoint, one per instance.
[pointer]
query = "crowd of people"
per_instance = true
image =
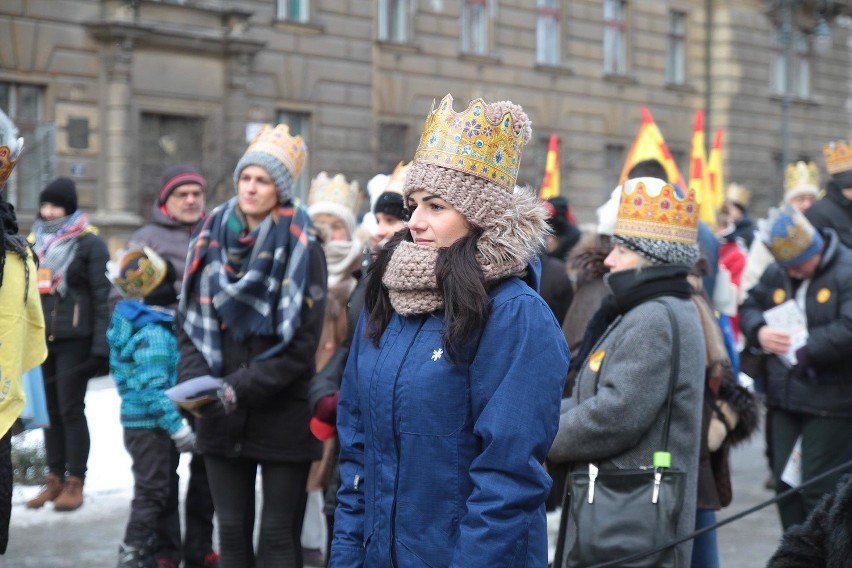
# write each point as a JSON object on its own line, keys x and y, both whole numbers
{"x": 419, "y": 386}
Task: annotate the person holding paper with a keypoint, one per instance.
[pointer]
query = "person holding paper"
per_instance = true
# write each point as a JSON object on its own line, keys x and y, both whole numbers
{"x": 251, "y": 308}
{"x": 809, "y": 391}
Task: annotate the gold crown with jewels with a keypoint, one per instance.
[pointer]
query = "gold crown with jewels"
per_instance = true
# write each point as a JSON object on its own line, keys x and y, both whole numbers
{"x": 336, "y": 190}
{"x": 653, "y": 209}
{"x": 277, "y": 141}
{"x": 397, "y": 178}
{"x": 739, "y": 194}
{"x": 788, "y": 235}
{"x": 838, "y": 157}
{"x": 801, "y": 174}
{"x": 469, "y": 142}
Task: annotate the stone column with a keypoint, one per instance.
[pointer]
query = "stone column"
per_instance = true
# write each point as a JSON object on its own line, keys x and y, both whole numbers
{"x": 117, "y": 147}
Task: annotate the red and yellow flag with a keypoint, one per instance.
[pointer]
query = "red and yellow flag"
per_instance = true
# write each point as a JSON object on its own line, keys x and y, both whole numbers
{"x": 714, "y": 170}
{"x": 699, "y": 180}
{"x": 649, "y": 144}
{"x": 550, "y": 184}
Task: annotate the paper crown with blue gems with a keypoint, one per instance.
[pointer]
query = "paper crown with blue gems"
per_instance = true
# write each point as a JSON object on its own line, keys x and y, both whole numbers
{"x": 469, "y": 142}
{"x": 789, "y": 236}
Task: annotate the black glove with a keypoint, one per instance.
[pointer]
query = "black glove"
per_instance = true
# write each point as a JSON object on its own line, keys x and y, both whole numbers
{"x": 805, "y": 364}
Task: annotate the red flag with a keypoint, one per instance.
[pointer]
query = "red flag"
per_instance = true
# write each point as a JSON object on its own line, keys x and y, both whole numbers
{"x": 714, "y": 170}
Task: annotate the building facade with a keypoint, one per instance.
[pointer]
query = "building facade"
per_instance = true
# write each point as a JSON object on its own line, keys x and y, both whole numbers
{"x": 110, "y": 92}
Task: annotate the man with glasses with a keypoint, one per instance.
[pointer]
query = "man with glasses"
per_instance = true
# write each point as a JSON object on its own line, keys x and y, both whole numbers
{"x": 178, "y": 208}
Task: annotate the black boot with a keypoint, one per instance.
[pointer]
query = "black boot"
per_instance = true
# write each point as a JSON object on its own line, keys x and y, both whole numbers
{"x": 134, "y": 557}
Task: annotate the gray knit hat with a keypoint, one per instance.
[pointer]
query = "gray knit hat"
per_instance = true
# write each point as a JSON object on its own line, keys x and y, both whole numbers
{"x": 661, "y": 252}
{"x": 281, "y": 155}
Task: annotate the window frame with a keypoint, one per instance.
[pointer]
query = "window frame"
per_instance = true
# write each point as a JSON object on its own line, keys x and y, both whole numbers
{"x": 481, "y": 44}
{"x": 676, "y": 48}
{"x": 32, "y": 126}
{"x": 548, "y": 30}
{"x": 284, "y": 9}
{"x": 800, "y": 69}
{"x": 615, "y": 31}
{"x": 394, "y": 21}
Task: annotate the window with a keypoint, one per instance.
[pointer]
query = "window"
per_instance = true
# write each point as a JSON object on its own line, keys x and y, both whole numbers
{"x": 393, "y": 146}
{"x": 474, "y": 27}
{"x": 293, "y": 10}
{"x": 676, "y": 49}
{"x": 35, "y": 168}
{"x": 615, "y": 29}
{"x": 800, "y": 66}
{"x": 299, "y": 123}
{"x": 613, "y": 163}
{"x": 393, "y": 20}
{"x": 547, "y": 32}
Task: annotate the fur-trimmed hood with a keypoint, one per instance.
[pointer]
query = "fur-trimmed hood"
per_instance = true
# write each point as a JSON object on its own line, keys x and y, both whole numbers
{"x": 519, "y": 232}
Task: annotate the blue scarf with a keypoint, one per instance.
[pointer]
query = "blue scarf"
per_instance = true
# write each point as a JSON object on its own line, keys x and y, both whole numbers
{"x": 245, "y": 282}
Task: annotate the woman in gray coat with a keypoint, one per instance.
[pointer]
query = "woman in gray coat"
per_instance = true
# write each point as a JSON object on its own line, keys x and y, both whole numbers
{"x": 615, "y": 416}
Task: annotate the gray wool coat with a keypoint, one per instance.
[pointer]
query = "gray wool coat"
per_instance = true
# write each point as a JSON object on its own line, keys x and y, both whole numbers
{"x": 615, "y": 416}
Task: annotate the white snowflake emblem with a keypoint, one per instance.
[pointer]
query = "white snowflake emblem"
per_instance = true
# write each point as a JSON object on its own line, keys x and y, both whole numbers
{"x": 436, "y": 354}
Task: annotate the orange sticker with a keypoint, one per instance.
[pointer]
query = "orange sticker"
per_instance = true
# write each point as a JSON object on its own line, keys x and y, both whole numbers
{"x": 595, "y": 360}
{"x": 45, "y": 281}
{"x": 779, "y": 295}
{"x": 823, "y": 295}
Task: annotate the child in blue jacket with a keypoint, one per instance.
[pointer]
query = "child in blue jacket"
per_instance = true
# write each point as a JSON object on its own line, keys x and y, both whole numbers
{"x": 143, "y": 362}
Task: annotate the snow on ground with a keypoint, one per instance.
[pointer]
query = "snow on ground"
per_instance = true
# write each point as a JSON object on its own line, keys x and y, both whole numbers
{"x": 109, "y": 482}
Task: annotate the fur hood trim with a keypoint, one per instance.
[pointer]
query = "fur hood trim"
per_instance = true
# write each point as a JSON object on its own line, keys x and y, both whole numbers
{"x": 519, "y": 232}
{"x": 587, "y": 261}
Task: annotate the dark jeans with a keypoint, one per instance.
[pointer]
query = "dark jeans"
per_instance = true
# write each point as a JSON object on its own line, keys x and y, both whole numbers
{"x": 198, "y": 539}
{"x": 232, "y": 483}
{"x": 66, "y": 376}
{"x": 155, "y": 487}
{"x": 825, "y": 444}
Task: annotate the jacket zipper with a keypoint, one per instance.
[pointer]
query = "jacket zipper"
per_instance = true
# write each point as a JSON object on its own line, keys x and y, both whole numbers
{"x": 396, "y": 446}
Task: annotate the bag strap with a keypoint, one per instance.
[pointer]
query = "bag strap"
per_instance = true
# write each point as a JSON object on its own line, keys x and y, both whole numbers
{"x": 673, "y": 375}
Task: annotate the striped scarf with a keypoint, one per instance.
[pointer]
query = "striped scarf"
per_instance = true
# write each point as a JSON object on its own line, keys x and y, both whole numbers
{"x": 247, "y": 282}
{"x": 56, "y": 243}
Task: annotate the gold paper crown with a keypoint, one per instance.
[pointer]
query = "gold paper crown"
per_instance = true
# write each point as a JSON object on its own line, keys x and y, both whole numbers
{"x": 652, "y": 209}
{"x": 397, "y": 178}
{"x": 334, "y": 190}
{"x": 739, "y": 194}
{"x": 838, "y": 157}
{"x": 290, "y": 150}
{"x": 471, "y": 143}
{"x": 788, "y": 235}
{"x": 802, "y": 175}
{"x": 139, "y": 281}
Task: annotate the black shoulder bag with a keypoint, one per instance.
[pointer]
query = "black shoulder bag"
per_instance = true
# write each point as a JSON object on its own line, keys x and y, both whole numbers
{"x": 620, "y": 512}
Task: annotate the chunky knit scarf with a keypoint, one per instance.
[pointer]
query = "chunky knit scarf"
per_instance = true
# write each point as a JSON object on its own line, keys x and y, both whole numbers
{"x": 412, "y": 283}
{"x": 56, "y": 243}
{"x": 340, "y": 257}
{"x": 247, "y": 282}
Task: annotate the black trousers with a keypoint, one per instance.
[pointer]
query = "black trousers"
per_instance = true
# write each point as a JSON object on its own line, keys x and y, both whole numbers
{"x": 199, "y": 511}
{"x": 6, "y": 478}
{"x": 155, "y": 491}
{"x": 232, "y": 483}
{"x": 66, "y": 377}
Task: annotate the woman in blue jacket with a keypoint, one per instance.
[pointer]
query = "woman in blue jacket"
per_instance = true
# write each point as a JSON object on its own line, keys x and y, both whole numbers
{"x": 450, "y": 398}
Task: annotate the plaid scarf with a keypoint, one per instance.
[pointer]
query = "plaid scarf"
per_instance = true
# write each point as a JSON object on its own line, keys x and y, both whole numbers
{"x": 246, "y": 282}
{"x": 56, "y": 243}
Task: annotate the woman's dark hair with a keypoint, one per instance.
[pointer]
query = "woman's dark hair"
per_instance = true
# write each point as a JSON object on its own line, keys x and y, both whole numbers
{"x": 462, "y": 286}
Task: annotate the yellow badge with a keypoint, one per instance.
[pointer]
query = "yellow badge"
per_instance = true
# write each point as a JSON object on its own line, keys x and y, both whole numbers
{"x": 779, "y": 295}
{"x": 595, "y": 360}
{"x": 823, "y": 295}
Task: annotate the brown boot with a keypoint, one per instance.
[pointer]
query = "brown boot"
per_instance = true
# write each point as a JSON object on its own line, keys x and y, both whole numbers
{"x": 71, "y": 497}
{"x": 51, "y": 490}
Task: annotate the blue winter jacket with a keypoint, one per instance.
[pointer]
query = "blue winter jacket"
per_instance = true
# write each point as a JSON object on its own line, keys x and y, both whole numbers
{"x": 143, "y": 363}
{"x": 441, "y": 464}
